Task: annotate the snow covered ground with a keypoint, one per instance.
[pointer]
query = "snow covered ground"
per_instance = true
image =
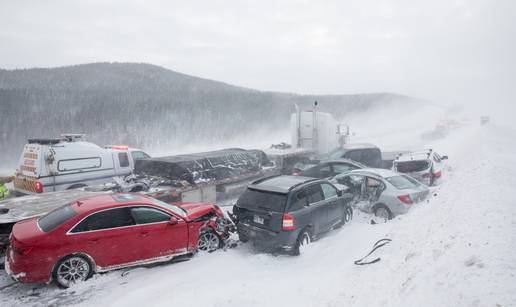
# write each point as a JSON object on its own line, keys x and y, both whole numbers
{"x": 455, "y": 250}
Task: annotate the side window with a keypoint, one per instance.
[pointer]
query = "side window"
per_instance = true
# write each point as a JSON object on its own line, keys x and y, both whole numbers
{"x": 328, "y": 190}
{"x": 371, "y": 157}
{"x": 373, "y": 183}
{"x": 299, "y": 200}
{"x": 314, "y": 193}
{"x": 325, "y": 171}
{"x": 351, "y": 180}
{"x": 113, "y": 218}
{"x": 339, "y": 168}
{"x": 355, "y": 155}
{"x": 78, "y": 164}
{"x": 147, "y": 215}
{"x": 139, "y": 155}
{"x": 123, "y": 159}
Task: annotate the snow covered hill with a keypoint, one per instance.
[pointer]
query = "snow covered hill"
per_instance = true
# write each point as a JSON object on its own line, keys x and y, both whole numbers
{"x": 455, "y": 250}
{"x": 150, "y": 107}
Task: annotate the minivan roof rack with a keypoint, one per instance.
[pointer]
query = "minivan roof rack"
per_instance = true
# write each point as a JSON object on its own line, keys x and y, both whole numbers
{"x": 263, "y": 179}
{"x": 72, "y": 137}
{"x": 44, "y": 141}
{"x": 300, "y": 183}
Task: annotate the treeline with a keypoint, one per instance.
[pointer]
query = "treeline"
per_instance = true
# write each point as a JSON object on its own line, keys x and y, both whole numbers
{"x": 145, "y": 106}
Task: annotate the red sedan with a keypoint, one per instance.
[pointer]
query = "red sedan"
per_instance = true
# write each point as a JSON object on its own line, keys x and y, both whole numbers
{"x": 108, "y": 232}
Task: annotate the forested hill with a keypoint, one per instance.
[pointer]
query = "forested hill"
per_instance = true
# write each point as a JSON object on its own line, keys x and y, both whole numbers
{"x": 145, "y": 106}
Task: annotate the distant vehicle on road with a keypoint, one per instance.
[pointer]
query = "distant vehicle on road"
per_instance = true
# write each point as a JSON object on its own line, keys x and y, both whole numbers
{"x": 382, "y": 192}
{"x": 285, "y": 213}
{"x": 426, "y": 166}
{"x": 48, "y": 165}
{"x": 328, "y": 168}
{"x": 108, "y": 232}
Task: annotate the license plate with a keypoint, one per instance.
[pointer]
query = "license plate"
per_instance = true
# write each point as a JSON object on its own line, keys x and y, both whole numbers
{"x": 258, "y": 219}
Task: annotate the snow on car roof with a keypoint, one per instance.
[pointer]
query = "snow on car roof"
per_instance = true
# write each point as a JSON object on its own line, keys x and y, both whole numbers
{"x": 91, "y": 203}
{"x": 280, "y": 184}
{"x": 350, "y": 146}
{"x": 380, "y": 172}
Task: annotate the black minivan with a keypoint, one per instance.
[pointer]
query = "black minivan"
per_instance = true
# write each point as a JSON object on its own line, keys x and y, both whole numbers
{"x": 285, "y": 213}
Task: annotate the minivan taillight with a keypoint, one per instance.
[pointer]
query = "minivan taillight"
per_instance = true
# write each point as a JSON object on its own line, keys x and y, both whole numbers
{"x": 437, "y": 174}
{"x": 289, "y": 222}
{"x": 39, "y": 187}
{"x": 405, "y": 199}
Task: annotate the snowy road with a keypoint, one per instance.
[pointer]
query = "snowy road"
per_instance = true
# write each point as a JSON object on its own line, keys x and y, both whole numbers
{"x": 457, "y": 250}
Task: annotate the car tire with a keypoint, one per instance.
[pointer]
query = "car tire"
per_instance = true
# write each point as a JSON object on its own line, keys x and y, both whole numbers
{"x": 382, "y": 212}
{"x": 71, "y": 270}
{"x": 346, "y": 216}
{"x": 208, "y": 241}
{"x": 302, "y": 241}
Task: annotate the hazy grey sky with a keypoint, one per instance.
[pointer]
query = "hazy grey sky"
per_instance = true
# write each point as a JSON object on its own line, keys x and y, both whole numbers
{"x": 447, "y": 51}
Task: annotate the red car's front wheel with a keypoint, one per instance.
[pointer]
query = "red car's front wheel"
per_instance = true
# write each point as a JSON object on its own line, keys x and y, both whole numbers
{"x": 209, "y": 241}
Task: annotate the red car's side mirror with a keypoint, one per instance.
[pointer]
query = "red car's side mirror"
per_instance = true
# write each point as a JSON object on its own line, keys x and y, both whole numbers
{"x": 173, "y": 220}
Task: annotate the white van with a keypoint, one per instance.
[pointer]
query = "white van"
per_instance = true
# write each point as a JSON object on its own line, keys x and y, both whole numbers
{"x": 48, "y": 165}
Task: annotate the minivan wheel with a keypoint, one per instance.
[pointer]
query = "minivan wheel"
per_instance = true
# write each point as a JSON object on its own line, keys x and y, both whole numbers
{"x": 209, "y": 241}
{"x": 72, "y": 270}
{"x": 346, "y": 216}
{"x": 302, "y": 243}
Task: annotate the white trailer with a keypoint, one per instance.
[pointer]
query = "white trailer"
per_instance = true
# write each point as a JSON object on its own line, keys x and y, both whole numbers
{"x": 317, "y": 131}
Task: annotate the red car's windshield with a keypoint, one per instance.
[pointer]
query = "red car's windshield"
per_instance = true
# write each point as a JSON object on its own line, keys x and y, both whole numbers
{"x": 175, "y": 209}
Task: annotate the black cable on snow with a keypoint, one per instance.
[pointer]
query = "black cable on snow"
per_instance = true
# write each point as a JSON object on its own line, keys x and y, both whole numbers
{"x": 377, "y": 245}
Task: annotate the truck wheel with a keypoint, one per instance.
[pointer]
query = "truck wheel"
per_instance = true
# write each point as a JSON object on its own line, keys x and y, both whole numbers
{"x": 209, "y": 241}
{"x": 303, "y": 240}
{"x": 72, "y": 270}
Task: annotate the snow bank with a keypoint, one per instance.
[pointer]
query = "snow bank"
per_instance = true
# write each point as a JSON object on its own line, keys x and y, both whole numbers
{"x": 455, "y": 250}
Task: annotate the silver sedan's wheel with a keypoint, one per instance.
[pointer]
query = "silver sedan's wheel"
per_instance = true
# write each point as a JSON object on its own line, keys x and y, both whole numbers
{"x": 208, "y": 241}
{"x": 72, "y": 270}
{"x": 382, "y": 214}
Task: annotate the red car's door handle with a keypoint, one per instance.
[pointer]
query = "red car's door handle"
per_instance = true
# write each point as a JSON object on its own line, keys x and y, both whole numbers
{"x": 143, "y": 234}
{"x": 94, "y": 241}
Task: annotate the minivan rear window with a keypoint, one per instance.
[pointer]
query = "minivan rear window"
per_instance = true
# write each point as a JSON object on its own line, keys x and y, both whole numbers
{"x": 55, "y": 218}
{"x": 262, "y": 200}
{"x": 412, "y": 166}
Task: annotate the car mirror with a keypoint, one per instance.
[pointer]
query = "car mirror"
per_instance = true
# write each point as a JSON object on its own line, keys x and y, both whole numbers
{"x": 444, "y": 158}
{"x": 173, "y": 220}
{"x": 339, "y": 193}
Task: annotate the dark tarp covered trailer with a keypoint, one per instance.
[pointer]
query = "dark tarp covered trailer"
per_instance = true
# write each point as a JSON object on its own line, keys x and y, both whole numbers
{"x": 204, "y": 166}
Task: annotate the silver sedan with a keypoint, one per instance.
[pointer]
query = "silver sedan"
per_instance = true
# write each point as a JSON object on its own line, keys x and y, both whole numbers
{"x": 382, "y": 192}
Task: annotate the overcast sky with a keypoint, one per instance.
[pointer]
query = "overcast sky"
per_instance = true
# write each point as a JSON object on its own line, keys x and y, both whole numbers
{"x": 447, "y": 51}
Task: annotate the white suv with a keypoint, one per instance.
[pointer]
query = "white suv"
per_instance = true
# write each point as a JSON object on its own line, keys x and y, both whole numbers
{"x": 426, "y": 166}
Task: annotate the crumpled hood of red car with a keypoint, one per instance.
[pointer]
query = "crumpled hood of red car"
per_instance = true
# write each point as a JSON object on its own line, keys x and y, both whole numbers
{"x": 196, "y": 210}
